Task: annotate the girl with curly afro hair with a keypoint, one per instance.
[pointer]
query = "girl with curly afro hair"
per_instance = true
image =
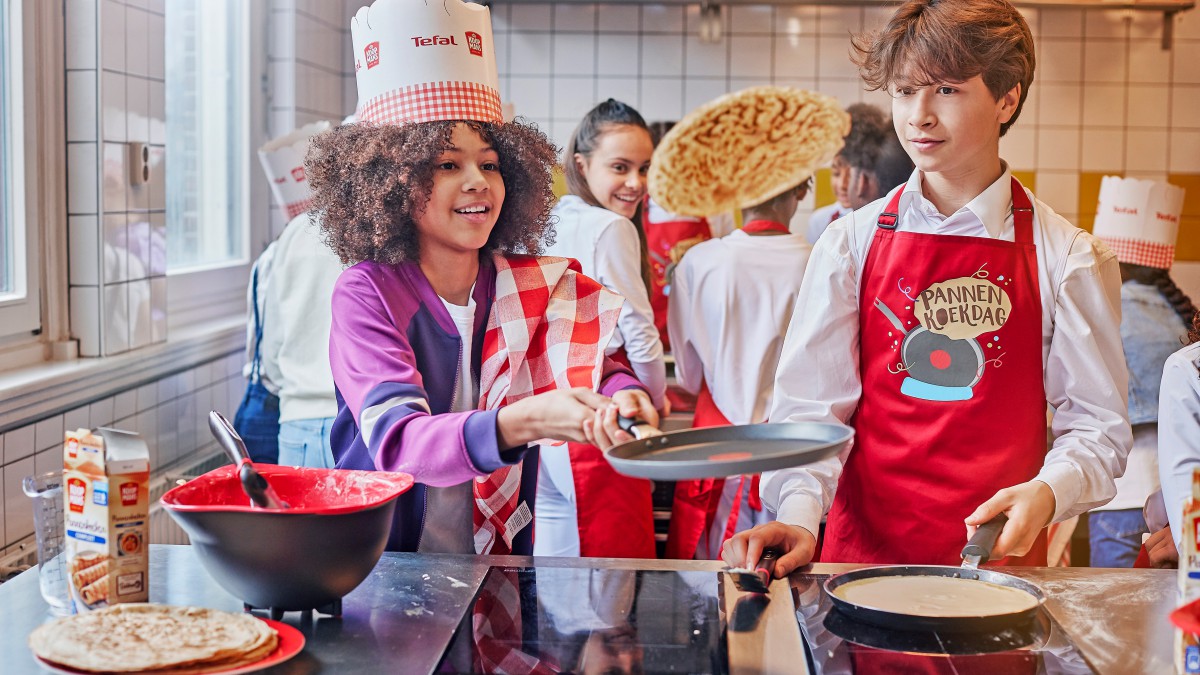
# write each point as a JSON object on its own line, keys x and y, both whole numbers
{"x": 428, "y": 214}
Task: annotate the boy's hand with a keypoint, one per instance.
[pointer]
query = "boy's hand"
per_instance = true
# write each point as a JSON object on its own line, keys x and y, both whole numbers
{"x": 1161, "y": 547}
{"x": 561, "y": 414}
{"x": 1029, "y": 507}
{"x": 604, "y": 432}
{"x": 796, "y": 543}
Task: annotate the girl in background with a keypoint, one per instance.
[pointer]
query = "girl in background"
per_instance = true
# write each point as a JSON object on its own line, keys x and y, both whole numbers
{"x": 584, "y": 507}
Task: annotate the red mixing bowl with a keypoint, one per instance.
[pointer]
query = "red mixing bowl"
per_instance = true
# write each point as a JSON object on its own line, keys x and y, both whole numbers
{"x": 299, "y": 558}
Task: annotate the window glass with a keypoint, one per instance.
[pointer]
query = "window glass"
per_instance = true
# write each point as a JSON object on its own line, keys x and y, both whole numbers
{"x": 207, "y": 109}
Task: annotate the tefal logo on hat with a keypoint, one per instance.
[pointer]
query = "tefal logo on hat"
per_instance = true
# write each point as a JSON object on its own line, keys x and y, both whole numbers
{"x": 1169, "y": 217}
{"x": 475, "y": 43}
{"x": 435, "y": 41}
{"x": 371, "y": 54}
{"x": 298, "y": 174}
{"x": 1131, "y": 210}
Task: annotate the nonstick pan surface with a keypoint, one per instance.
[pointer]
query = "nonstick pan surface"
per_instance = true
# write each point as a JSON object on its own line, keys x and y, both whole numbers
{"x": 720, "y": 452}
{"x": 982, "y": 620}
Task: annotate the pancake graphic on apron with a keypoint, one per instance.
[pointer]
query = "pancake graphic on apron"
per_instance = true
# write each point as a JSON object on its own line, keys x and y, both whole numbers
{"x": 941, "y": 357}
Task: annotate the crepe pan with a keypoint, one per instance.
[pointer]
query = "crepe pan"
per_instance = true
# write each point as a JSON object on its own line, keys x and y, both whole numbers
{"x": 977, "y": 551}
{"x": 720, "y": 452}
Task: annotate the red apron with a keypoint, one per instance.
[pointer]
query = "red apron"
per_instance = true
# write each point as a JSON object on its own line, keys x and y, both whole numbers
{"x": 953, "y": 406}
{"x": 615, "y": 513}
{"x": 661, "y": 239}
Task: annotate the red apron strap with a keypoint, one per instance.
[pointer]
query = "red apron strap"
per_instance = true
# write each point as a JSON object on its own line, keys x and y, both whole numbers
{"x": 1022, "y": 214}
{"x": 756, "y": 226}
{"x": 891, "y": 215}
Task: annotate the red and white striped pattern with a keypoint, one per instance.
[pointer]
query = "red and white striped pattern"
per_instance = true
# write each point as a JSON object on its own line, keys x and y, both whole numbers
{"x": 547, "y": 329}
{"x": 434, "y": 101}
{"x": 1141, "y": 252}
{"x": 296, "y": 208}
{"x": 496, "y": 627}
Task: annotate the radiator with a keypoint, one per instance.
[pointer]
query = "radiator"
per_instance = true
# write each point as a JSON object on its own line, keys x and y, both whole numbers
{"x": 163, "y": 529}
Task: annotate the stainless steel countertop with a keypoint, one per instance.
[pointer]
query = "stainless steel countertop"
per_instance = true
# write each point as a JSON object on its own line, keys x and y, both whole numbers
{"x": 406, "y": 612}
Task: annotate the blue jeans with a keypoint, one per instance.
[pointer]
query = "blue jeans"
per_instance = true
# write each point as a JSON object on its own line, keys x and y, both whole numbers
{"x": 306, "y": 443}
{"x": 1115, "y": 537}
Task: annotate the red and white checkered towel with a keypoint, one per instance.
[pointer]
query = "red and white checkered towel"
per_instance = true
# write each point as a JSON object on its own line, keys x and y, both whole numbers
{"x": 548, "y": 328}
{"x": 496, "y": 625}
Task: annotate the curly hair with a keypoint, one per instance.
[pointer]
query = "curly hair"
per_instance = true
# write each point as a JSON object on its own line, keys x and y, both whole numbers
{"x": 1161, "y": 280}
{"x": 869, "y": 129}
{"x": 370, "y": 182}
{"x": 1194, "y": 333}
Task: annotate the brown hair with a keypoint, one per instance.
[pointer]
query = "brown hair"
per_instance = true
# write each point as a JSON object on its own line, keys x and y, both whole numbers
{"x": 370, "y": 182}
{"x": 1161, "y": 280}
{"x": 606, "y": 115}
{"x": 930, "y": 41}
{"x": 1194, "y": 333}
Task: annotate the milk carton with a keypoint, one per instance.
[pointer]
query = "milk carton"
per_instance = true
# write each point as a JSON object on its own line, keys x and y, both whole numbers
{"x": 106, "y": 485}
{"x": 1187, "y": 645}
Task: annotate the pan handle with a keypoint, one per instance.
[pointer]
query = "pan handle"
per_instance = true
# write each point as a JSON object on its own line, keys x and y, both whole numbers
{"x": 639, "y": 428}
{"x": 985, "y": 537}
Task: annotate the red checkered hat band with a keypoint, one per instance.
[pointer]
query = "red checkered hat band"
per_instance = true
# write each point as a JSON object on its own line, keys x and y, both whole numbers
{"x": 1141, "y": 252}
{"x": 434, "y": 101}
{"x": 296, "y": 208}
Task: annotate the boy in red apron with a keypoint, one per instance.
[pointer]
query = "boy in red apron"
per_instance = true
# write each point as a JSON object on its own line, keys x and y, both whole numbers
{"x": 941, "y": 320}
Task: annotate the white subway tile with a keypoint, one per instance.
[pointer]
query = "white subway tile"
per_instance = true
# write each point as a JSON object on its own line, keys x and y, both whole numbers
{"x": 83, "y": 242}
{"x": 116, "y": 177}
{"x": 1104, "y": 61}
{"x": 574, "y": 17}
{"x": 125, "y": 404}
{"x": 1105, "y": 23}
{"x": 692, "y": 20}
{"x": 48, "y": 433}
{"x": 662, "y": 99}
{"x": 156, "y": 52}
{"x": 1148, "y": 105}
{"x": 1058, "y": 149}
{"x": 1060, "y": 190}
{"x": 1185, "y": 106}
{"x": 529, "y": 17}
{"x": 18, "y": 509}
{"x": 138, "y": 246}
{"x": 114, "y": 114}
{"x": 100, "y": 413}
{"x": 706, "y": 59}
{"x": 1146, "y": 149}
{"x": 157, "y": 190}
{"x": 833, "y": 58}
{"x": 1103, "y": 150}
{"x": 796, "y": 19}
{"x": 81, "y": 178}
{"x": 1184, "y": 152}
{"x": 48, "y": 460}
{"x": 116, "y": 318}
{"x": 85, "y": 318}
{"x": 77, "y": 418}
{"x": 751, "y": 19}
{"x": 846, "y": 90}
{"x": 839, "y": 21}
{"x": 137, "y": 102}
{"x": 1187, "y": 56}
{"x": 112, "y": 35}
{"x": 618, "y": 55}
{"x": 147, "y": 426}
{"x": 573, "y": 98}
{"x": 530, "y": 53}
{"x": 82, "y": 24}
{"x": 663, "y": 19}
{"x": 750, "y": 56}
{"x": 1059, "y": 61}
{"x": 698, "y": 92}
{"x": 137, "y": 28}
{"x": 662, "y": 55}
{"x": 575, "y": 54}
{"x": 82, "y": 121}
{"x": 168, "y": 389}
{"x": 147, "y": 396}
{"x": 1104, "y": 105}
{"x": 623, "y": 89}
{"x": 1018, "y": 148}
{"x": 624, "y": 18}
{"x": 530, "y": 96}
{"x": 1059, "y": 22}
{"x": 158, "y": 113}
{"x": 168, "y": 432}
{"x": 1187, "y": 25}
{"x": 1148, "y": 62}
{"x": 1058, "y": 104}
{"x": 116, "y": 255}
{"x": 19, "y": 443}
{"x": 140, "y": 333}
{"x": 795, "y": 57}
{"x": 158, "y": 309}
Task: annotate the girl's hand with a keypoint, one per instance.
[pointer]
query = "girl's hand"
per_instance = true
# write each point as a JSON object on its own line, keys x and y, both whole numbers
{"x": 1029, "y": 507}
{"x": 744, "y": 549}
{"x": 561, "y": 414}
{"x": 631, "y": 403}
{"x": 1161, "y": 547}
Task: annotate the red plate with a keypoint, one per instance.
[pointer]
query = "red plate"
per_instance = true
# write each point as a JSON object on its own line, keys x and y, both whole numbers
{"x": 291, "y": 641}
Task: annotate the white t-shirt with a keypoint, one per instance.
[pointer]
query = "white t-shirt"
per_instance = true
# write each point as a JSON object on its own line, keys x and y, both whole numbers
{"x": 449, "y": 527}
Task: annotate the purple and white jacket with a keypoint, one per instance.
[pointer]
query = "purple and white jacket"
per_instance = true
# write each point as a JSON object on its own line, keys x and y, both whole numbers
{"x": 394, "y": 352}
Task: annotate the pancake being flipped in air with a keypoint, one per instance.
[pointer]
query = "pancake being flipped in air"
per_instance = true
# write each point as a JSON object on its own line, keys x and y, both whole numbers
{"x": 744, "y": 148}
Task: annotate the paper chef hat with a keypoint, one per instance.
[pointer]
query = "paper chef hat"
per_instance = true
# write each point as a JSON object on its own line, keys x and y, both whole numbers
{"x": 420, "y": 61}
{"x": 1139, "y": 220}
{"x": 283, "y": 160}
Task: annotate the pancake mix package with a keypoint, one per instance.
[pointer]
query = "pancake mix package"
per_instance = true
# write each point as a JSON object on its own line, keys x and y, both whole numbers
{"x": 106, "y": 485}
{"x": 1187, "y": 645}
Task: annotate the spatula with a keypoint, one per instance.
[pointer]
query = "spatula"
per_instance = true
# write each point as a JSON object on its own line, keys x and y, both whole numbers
{"x": 257, "y": 488}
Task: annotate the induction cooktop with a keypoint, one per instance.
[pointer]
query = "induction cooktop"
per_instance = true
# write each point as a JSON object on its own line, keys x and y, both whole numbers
{"x": 581, "y": 620}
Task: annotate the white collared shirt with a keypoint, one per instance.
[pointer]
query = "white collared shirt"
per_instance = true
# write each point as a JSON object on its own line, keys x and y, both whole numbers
{"x": 1179, "y": 432}
{"x": 1083, "y": 364}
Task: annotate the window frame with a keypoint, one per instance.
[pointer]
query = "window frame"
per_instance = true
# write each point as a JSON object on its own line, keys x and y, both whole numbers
{"x": 21, "y": 311}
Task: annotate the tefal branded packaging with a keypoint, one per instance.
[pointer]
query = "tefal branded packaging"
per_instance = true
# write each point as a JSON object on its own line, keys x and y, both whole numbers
{"x": 1187, "y": 645}
{"x": 106, "y": 485}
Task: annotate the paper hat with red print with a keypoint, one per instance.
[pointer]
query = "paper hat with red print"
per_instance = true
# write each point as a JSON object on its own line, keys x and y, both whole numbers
{"x": 283, "y": 160}
{"x": 419, "y": 61}
{"x": 1139, "y": 220}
